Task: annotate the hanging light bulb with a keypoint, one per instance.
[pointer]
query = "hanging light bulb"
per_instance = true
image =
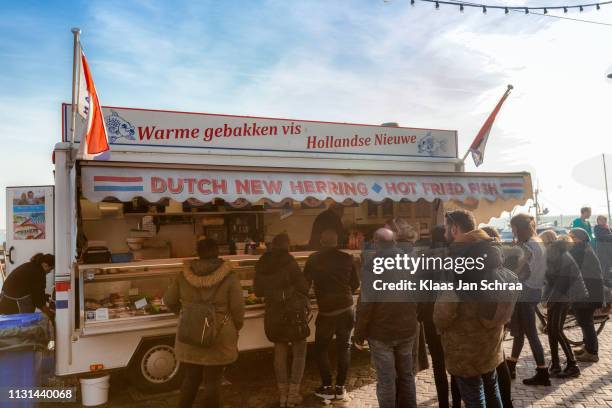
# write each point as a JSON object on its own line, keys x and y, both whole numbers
{"x": 437, "y": 5}
{"x": 565, "y": 9}
{"x": 461, "y": 8}
{"x": 545, "y": 11}
{"x": 526, "y": 10}
{"x": 597, "y": 6}
{"x": 484, "y": 9}
{"x": 412, "y": 2}
{"x": 581, "y": 9}
{"x": 506, "y": 10}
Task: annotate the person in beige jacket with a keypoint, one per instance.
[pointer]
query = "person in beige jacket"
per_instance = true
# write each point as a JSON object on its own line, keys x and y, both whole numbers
{"x": 471, "y": 351}
{"x": 199, "y": 280}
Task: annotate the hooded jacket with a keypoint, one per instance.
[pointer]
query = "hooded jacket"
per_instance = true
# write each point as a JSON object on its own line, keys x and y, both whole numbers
{"x": 470, "y": 349}
{"x": 198, "y": 281}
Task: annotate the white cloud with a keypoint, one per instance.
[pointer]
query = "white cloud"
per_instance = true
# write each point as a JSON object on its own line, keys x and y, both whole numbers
{"x": 349, "y": 61}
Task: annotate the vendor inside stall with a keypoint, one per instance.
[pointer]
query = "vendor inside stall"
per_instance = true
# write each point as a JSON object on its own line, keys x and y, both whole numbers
{"x": 328, "y": 219}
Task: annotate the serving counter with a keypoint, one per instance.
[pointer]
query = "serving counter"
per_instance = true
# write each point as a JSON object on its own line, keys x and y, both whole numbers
{"x": 118, "y": 297}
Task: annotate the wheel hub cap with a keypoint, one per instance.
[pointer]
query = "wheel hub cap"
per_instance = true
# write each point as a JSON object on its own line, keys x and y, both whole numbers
{"x": 159, "y": 364}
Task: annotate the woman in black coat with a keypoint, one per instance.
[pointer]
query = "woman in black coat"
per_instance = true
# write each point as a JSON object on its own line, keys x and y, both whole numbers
{"x": 590, "y": 268}
{"x": 563, "y": 285}
{"x": 277, "y": 273}
{"x": 24, "y": 289}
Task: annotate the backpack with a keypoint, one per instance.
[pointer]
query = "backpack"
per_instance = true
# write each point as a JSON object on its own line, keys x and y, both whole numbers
{"x": 287, "y": 315}
{"x": 198, "y": 321}
{"x": 497, "y": 310}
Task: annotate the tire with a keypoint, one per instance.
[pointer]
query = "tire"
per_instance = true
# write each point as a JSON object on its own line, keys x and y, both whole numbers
{"x": 542, "y": 316}
{"x": 154, "y": 368}
{"x": 572, "y": 332}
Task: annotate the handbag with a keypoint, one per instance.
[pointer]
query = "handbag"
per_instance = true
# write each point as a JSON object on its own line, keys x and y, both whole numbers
{"x": 198, "y": 321}
{"x": 288, "y": 315}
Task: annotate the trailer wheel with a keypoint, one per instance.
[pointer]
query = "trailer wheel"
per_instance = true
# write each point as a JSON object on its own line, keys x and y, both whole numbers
{"x": 154, "y": 367}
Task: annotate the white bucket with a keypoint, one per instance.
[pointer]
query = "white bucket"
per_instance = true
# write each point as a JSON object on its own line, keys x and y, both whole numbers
{"x": 94, "y": 391}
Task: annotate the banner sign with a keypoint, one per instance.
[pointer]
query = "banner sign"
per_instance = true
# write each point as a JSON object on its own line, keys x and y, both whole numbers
{"x": 180, "y": 185}
{"x": 29, "y": 214}
{"x": 227, "y": 134}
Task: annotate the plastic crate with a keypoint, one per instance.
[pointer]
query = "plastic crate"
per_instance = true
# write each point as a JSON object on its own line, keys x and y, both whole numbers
{"x": 122, "y": 257}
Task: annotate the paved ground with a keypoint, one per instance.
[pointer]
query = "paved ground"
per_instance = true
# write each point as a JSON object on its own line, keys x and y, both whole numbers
{"x": 251, "y": 384}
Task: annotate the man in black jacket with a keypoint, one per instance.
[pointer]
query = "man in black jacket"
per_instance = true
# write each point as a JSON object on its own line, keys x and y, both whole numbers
{"x": 390, "y": 326}
{"x": 335, "y": 280}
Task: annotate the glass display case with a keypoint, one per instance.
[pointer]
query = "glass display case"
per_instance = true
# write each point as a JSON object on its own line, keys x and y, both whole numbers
{"x": 116, "y": 295}
{"x": 129, "y": 296}
{"x": 119, "y": 297}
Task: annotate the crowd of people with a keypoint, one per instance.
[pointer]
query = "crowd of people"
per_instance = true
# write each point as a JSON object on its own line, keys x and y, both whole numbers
{"x": 568, "y": 273}
{"x": 464, "y": 342}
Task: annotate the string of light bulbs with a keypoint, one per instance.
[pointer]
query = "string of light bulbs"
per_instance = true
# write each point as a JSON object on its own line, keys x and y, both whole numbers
{"x": 564, "y": 17}
{"x": 526, "y": 9}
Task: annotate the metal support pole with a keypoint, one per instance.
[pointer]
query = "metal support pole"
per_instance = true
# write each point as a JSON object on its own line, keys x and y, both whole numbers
{"x": 603, "y": 157}
{"x": 76, "y": 32}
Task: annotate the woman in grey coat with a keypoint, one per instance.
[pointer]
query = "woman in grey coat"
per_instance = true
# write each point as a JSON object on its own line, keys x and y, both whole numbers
{"x": 201, "y": 279}
{"x": 531, "y": 270}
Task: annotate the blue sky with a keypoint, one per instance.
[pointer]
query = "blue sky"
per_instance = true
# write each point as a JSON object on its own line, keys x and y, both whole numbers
{"x": 356, "y": 61}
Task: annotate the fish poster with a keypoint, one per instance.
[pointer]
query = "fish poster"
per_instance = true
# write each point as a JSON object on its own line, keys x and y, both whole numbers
{"x": 29, "y": 214}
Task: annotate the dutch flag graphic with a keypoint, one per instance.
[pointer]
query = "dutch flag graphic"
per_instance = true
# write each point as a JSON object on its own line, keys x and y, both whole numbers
{"x": 118, "y": 183}
{"x": 512, "y": 188}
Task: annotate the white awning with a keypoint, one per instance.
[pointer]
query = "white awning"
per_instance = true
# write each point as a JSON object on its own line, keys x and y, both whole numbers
{"x": 153, "y": 184}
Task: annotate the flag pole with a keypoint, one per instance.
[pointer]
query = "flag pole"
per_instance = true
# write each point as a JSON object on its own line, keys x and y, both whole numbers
{"x": 603, "y": 157}
{"x": 460, "y": 166}
{"x": 75, "y": 77}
